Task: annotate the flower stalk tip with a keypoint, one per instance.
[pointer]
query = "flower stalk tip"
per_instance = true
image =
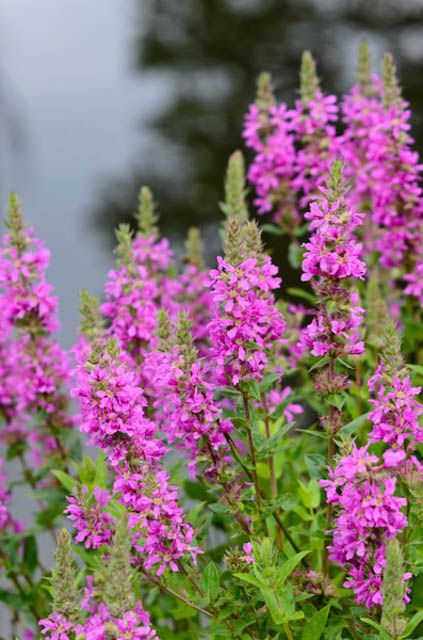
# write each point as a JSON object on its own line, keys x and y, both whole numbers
{"x": 145, "y": 214}
{"x": 309, "y": 82}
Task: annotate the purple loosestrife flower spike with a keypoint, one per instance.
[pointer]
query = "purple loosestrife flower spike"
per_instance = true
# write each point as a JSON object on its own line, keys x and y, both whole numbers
{"x": 332, "y": 260}
{"x": 35, "y": 368}
{"x": 185, "y": 390}
{"x": 235, "y": 205}
{"x": 313, "y": 122}
{"x": 369, "y": 515}
{"x": 268, "y": 131}
{"x": 396, "y": 410}
{"x": 247, "y": 322}
{"x": 364, "y": 69}
{"x": 112, "y": 411}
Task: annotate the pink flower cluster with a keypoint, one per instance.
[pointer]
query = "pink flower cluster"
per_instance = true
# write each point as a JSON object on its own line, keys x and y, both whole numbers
{"x": 415, "y": 282}
{"x": 135, "y": 292}
{"x": 395, "y": 416}
{"x": 94, "y": 525}
{"x": 294, "y": 150}
{"x": 332, "y": 255}
{"x": 361, "y": 111}
{"x": 112, "y": 414}
{"x": 188, "y": 413}
{"x": 134, "y": 624}
{"x": 35, "y": 370}
{"x": 369, "y": 516}
{"x": 246, "y": 321}
{"x": 26, "y": 296}
{"x": 315, "y": 127}
{"x": 131, "y": 307}
{"x": 273, "y": 168}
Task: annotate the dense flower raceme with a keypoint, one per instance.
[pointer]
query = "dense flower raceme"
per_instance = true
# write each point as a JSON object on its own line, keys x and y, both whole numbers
{"x": 269, "y": 132}
{"x": 395, "y": 416}
{"x": 188, "y": 413}
{"x": 397, "y": 203}
{"x": 361, "y": 112}
{"x": 314, "y": 123}
{"x": 369, "y": 516}
{"x": 36, "y": 370}
{"x": 112, "y": 406}
{"x": 332, "y": 258}
{"x": 294, "y": 148}
{"x": 141, "y": 285}
{"x": 247, "y": 321}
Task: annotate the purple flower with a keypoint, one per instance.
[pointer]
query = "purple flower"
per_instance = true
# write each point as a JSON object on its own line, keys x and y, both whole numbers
{"x": 57, "y": 627}
{"x": 246, "y": 322}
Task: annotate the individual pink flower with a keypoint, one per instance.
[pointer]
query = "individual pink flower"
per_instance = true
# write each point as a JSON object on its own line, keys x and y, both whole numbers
{"x": 57, "y": 627}
{"x": 247, "y": 547}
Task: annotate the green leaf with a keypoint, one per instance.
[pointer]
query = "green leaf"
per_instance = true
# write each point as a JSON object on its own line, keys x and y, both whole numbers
{"x": 272, "y": 229}
{"x": 310, "y": 494}
{"x": 417, "y": 368}
{"x": 210, "y": 581}
{"x": 288, "y": 567}
{"x": 101, "y": 474}
{"x": 256, "y": 582}
{"x": 16, "y": 449}
{"x": 295, "y": 254}
{"x": 269, "y": 380}
{"x": 414, "y": 622}
{"x": 65, "y": 479}
{"x": 301, "y": 293}
{"x": 355, "y": 425}
{"x": 195, "y": 513}
{"x": 336, "y": 400}
{"x": 183, "y": 612}
{"x": 314, "y": 628}
{"x": 254, "y": 390}
{"x": 315, "y": 464}
{"x": 322, "y": 362}
{"x": 384, "y": 635}
{"x": 30, "y": 554}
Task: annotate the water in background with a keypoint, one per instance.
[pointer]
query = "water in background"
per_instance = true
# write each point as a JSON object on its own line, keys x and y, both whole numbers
{"x": 97, "y": 98}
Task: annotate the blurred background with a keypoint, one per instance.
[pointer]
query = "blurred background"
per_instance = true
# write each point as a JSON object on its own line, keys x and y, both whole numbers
{"x": 99, "y": 97}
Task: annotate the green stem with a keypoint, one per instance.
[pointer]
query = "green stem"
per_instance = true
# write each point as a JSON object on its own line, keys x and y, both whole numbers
{"x": 271, "y": 463}
{"x": 252, "y": 452}
{"x": 330, "y": 457}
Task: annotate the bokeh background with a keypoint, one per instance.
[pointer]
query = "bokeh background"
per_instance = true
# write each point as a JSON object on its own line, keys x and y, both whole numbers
{"x": 99, "y": 97}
